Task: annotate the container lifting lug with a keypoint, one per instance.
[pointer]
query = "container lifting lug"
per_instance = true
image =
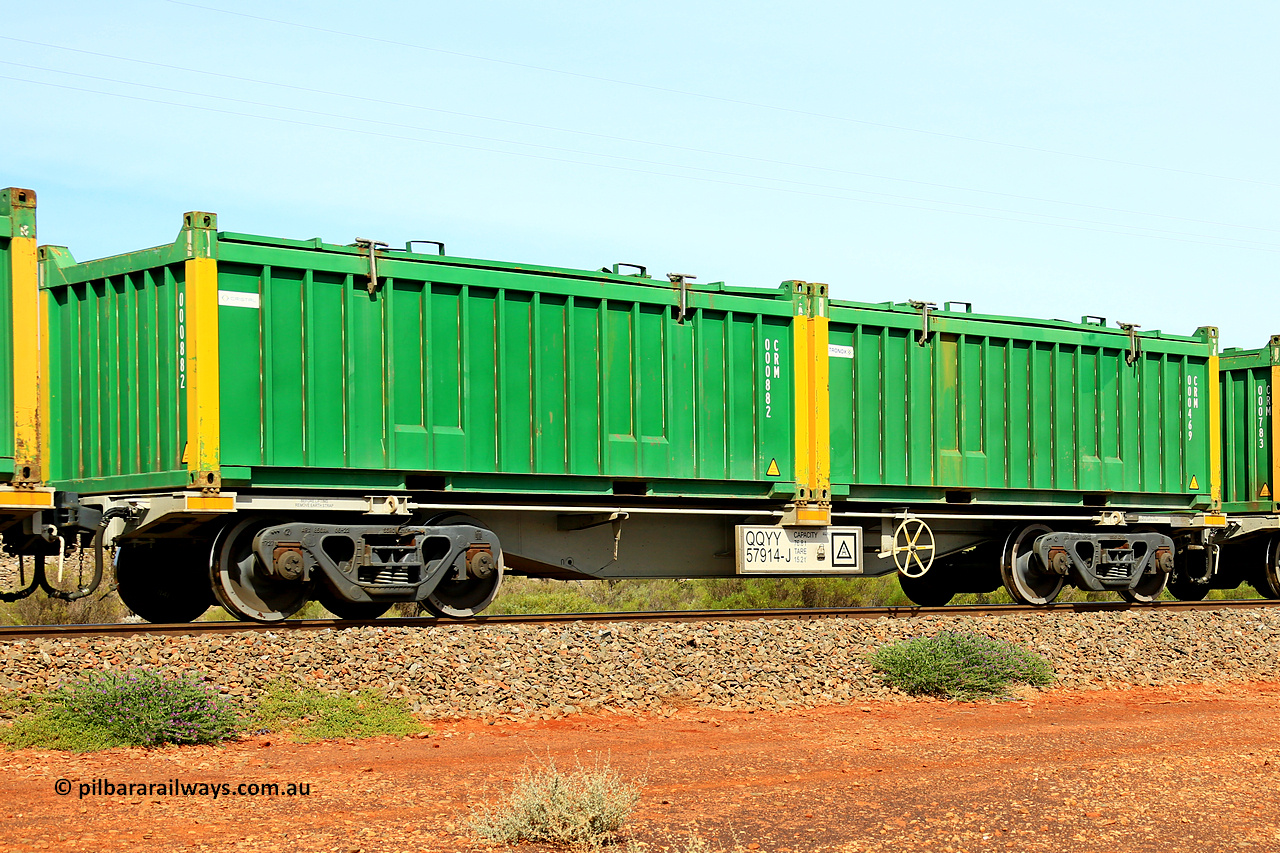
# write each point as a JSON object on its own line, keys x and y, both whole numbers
{"x": 373, "y": 246}
{"x": 1135, "y": 346}
{"x": 923, "y": 308}
{"x": 682, "y": 281}
{"x": 408, "y": 247}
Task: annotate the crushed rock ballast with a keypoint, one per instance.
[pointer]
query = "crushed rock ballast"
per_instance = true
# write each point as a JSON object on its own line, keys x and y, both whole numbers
{"x": 520, "y": 671}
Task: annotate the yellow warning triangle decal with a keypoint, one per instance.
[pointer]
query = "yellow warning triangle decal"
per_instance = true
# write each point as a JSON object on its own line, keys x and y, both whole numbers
{"x": 773, "y": 468}
{"x": 1265, "y": 493}
{"x": 1195, "y": 484}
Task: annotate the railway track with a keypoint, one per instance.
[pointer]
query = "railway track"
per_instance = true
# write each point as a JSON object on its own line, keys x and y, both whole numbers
{"x": 14, "y": 632}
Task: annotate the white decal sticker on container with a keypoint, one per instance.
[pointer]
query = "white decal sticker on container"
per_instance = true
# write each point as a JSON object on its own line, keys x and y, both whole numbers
{"x": 239, "y": 300}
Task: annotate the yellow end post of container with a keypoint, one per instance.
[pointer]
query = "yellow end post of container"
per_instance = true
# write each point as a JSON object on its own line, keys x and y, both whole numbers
{"x": 804, "y": 407}
{"x": 820, "y": 376}
{"x": 203, "y": 416}
{"x": 1215, "y": 430}
{"x": 813, "y": 407}
{"x": 28, "y": 440}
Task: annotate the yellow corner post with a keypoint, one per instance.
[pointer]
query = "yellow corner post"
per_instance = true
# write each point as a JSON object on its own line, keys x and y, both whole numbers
{"x": 27, "y": 338}
{"x": 803, "y": 360}
{"x": 1215, "y": 424}
{"x": 199, "y": 303}
{"x": 820, "y": 376}
{"x": 813, "y": 421}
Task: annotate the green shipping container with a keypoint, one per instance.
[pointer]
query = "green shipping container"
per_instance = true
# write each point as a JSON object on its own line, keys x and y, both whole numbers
{"x": 231, "y": 360}
{"x": 1249, "y": 428}
{"x": 960, "y": 407}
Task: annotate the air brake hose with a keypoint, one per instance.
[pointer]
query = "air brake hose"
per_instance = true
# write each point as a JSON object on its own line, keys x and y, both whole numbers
{"x": 87, "y": 589}
{"x": 37, "y": 578}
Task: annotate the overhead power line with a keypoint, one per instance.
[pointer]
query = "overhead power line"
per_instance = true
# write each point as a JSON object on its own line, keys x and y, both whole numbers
{"x": 723, "y": 99}
{"x": 832, "y": 193}
{"x": 604, "y": 136}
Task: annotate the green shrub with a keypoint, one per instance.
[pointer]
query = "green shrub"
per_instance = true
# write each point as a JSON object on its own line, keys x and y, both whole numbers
{"x": 101, "y": 608}
{"x": 312, "y": 715}
{"x": 585, "y": 808}
{"x": 136, "y": 708}
{"x": 562, "y": 600}
{"x": 959, "y": 665}
{"x": 49, "y": 729}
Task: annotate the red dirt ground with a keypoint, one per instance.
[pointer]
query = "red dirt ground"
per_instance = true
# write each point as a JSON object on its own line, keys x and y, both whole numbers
{"x": 1187, "y": 769}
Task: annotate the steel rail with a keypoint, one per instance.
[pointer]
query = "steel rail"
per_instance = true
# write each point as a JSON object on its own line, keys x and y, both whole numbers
{"x": 14, "y": 632}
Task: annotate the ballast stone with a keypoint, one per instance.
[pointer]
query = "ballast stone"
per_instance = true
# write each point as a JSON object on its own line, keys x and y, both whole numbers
{"x": 526, "y": 671}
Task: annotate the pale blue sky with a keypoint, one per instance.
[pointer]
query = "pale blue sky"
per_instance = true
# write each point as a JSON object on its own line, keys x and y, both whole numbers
{"x": 1040, "y": 159}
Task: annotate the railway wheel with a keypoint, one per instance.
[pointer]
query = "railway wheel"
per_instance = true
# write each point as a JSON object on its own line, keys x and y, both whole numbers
{"x": 354, "y": 610}
{"x": 928, "y": 590}
{"x": 1149, "y": 587}
{"x": 1267, "y": 576}
{"x": 163, "y": 581}
{"x": 1025, "y": 577}
{"x": 462, "y": 599}
{"x": 247, "y": 588}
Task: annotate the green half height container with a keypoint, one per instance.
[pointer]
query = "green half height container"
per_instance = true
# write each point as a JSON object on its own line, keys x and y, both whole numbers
{"x": 950, "y": 406}
{"x": 230, "y": 360}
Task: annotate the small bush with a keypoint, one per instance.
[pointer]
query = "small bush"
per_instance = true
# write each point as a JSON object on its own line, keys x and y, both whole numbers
{"x": 552, "y": 601}
{"x": 585, "y": 808}
{"x": 39, "y": 609}
{"x": 137, "y": 708}
{"x": 49, "y": 729}
{"x": 312, "y": 715}
{"x": 959, "y": 665}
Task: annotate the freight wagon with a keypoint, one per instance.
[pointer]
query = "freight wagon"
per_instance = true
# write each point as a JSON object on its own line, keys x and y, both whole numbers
{"x": 259, "y": 422}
